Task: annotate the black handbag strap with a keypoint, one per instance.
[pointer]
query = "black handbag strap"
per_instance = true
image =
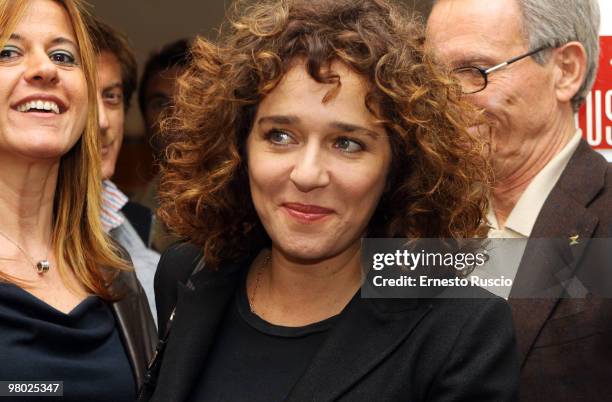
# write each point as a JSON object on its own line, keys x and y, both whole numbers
{"x": 150, "y": 378}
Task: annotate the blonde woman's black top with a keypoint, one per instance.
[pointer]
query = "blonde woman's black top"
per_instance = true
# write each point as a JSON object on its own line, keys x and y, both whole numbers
{"x": 82, "y": 348}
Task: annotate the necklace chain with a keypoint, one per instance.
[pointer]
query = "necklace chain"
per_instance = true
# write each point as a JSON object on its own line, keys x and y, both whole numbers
{"x": 41, "y": 266}
{"x": 260, "y": 270}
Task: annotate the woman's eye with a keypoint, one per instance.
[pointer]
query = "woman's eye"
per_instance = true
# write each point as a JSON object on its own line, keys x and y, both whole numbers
{"x": 8, "y": 53}
{"x": 279, "y": 137}
{"x": 348, "y": 145}
{"x": 63, "y": 58}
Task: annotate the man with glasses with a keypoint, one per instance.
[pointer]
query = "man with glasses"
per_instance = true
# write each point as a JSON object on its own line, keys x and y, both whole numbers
{"x": 529, "y": 64}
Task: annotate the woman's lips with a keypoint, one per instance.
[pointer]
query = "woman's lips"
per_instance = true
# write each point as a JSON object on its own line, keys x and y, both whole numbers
{"x": 307, "y": 213}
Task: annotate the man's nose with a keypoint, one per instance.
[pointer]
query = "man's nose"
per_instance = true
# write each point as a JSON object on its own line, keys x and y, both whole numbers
{"x": 102, "y": 116}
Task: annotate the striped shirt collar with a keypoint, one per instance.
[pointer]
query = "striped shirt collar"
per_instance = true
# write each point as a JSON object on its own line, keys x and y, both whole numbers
{"x": 113, "y": 200}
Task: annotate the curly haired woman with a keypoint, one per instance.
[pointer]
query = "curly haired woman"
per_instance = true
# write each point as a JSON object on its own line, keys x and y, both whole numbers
{"x": 308, "y": 126}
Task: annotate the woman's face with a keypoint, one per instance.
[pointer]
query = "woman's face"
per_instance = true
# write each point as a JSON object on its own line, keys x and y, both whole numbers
{"x": 43, "y": 93}
{"x": 316, "y": 170}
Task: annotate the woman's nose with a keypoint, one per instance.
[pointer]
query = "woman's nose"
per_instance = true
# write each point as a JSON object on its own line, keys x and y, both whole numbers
{"x": 40, "y": 69}
{"x": 310, "y": 171}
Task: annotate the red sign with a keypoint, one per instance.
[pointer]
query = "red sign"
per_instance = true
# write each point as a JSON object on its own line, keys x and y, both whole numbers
{"x": 595, "y": 116}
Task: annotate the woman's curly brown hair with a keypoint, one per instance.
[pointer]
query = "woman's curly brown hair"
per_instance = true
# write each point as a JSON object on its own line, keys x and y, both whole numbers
{"x": 438, "y": 178}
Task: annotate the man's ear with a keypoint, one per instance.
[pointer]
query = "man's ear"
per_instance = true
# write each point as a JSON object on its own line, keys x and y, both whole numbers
{"x": 570, "y": 61}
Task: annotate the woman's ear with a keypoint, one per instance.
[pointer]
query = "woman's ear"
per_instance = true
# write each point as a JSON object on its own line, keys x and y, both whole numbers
{"x": 570, "y": 60}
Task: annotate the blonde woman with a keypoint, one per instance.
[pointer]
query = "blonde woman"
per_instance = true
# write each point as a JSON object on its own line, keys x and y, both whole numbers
{"x": 70, "y": 309}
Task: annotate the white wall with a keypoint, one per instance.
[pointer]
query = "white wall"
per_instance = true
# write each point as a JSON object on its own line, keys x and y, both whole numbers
{"x": 149, "y": 24}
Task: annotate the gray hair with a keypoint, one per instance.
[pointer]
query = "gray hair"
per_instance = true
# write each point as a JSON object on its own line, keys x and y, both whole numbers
{"x": 554, "y": 23}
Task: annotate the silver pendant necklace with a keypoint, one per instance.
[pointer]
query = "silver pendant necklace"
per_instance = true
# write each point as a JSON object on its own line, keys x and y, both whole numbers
{"x": 41, "y": 266}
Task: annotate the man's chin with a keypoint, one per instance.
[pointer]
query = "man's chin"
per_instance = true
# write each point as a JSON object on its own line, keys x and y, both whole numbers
{"x": 482, "y": 131}
{"x": 107, "y": 172}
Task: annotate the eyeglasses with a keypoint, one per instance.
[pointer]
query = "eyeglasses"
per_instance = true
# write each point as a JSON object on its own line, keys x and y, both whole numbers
{"x": 474, "y": 79}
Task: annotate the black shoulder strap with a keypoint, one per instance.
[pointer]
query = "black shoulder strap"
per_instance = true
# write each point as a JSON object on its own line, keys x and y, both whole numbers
{"x": 150, "y": 378}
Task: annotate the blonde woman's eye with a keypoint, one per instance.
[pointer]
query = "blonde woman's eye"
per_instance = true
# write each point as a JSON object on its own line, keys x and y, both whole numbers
{"x": 63, "y": 58}
{"x": 8, "y": 53}
{"x": 348, "y": 145}
{"x": 279, "y": 137}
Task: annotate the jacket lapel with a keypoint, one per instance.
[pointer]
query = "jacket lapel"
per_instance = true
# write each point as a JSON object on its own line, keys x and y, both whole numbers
{"x": 345, "y": 358}
{"x": 197, "y": 317}
{"x": 549, "y": 264}
{"x": 135, "y": 324}
{"x": 546, "y": 268}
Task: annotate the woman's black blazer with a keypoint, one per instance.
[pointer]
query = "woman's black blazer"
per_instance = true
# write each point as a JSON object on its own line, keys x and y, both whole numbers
{"x": 379, "y": 350}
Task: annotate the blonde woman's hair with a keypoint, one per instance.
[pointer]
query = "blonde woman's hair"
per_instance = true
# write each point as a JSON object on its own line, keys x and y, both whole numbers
{"x": 79, "y": 242}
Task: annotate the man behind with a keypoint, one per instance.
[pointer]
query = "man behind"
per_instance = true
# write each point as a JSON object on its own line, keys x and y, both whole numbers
{"x": 129, "y": 223}
{"x": 548, "y": 182}
{"x": 155, "y": 98}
